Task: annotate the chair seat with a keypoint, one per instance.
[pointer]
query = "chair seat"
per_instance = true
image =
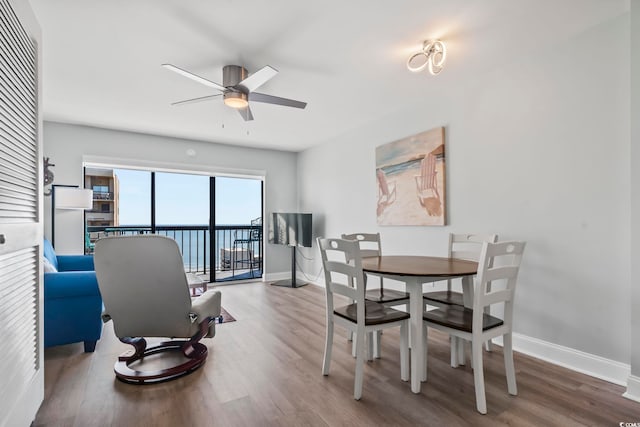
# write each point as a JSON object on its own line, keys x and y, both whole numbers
{"x": 375, "y": 313}
{"x": 384, "y": 296}
{"x": 460, "y": 318}
{"x": 444, "y": 297}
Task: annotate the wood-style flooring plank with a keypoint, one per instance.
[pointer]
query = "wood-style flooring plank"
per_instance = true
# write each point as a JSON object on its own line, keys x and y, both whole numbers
{"x": 264, "y": 369}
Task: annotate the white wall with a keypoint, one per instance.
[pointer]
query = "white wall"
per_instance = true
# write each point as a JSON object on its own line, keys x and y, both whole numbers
{"x": 67, "y": 146}
{"x": 537, "y": 150}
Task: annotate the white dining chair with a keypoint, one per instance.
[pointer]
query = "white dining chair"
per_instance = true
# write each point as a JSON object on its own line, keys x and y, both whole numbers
{"x": 370, "y": 245}
{"x": 462, "y": 246}
{"x": 475, "y": 324}
{"x": 344, "y": 276}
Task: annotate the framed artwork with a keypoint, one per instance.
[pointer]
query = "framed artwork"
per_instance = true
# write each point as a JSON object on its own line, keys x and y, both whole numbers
{"x": 410, "y": 175}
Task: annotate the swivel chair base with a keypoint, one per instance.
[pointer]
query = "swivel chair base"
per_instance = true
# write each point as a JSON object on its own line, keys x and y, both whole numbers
{"x": 195, "y": 352}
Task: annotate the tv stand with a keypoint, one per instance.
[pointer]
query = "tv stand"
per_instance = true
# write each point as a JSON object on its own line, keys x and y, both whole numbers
{"x": 291, "y": 283}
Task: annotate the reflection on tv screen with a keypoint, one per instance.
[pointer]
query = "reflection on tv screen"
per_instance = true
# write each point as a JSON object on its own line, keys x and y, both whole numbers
{"x": 291, "y": 229}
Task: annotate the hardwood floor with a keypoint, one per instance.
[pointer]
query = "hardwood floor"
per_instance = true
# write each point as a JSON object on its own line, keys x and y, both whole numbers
{"x": 264, "y": 369}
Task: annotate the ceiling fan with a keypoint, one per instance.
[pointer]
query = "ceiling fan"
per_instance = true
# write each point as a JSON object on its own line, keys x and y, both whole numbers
{"x": 238, "y": 88}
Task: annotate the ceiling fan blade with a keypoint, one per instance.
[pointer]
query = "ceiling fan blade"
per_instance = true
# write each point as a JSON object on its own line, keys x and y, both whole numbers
{"x": 257, "y": 79}
{"x": 192, "y": 76}
{"x": 270, "y": 99}
{"x": 246, "y": 113}
{"x": 196, "y": 100}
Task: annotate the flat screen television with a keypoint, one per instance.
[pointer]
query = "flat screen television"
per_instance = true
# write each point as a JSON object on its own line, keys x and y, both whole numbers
{"x": 290, "y": 229}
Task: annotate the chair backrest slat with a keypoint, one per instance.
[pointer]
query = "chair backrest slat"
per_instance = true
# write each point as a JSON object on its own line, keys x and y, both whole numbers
{"x": 495, "y": 297}
{"x": 500, "y": 272}
{"x": 340, "y": 267}
{"x": 342, "y": 289}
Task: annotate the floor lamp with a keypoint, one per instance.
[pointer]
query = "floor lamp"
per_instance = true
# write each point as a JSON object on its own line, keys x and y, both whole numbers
{"x": 68, "y": 197}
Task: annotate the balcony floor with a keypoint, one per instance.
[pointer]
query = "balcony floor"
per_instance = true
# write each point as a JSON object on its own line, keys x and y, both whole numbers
{"x": 228, "y": 276}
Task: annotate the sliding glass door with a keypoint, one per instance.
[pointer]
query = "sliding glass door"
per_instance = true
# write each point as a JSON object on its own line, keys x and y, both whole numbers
{"x": 238, "y": 225}
{"x": 186, "y": 208}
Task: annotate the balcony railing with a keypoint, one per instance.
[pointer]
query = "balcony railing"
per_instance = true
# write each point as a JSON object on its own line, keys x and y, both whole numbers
{"x": 102, "y": 195}
{"x": 243, "y": 242}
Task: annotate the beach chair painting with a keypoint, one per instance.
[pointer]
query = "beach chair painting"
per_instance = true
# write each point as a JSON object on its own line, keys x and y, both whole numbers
{"x": 410, "y": 178}
{"x": 386, "y": 191}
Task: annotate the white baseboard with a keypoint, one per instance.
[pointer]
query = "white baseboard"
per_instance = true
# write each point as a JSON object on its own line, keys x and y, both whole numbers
{"x": 272, "y": 277}
{"x": 633, "y": 388}
{"x": 576, "y": 360}
{"x": 286, "y": 275}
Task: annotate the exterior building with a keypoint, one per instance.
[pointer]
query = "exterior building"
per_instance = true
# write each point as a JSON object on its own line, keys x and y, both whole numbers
{"x": 105, "y": 209}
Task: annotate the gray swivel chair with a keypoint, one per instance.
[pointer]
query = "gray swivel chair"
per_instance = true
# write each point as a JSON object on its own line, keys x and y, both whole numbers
{"x": 145, "y": 292}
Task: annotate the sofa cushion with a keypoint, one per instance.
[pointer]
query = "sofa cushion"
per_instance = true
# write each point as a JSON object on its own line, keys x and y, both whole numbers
{"x": 50, "y": 254}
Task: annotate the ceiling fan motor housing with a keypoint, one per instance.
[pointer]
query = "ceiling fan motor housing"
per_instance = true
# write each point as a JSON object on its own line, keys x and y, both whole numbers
{"x": 231, "y": 76}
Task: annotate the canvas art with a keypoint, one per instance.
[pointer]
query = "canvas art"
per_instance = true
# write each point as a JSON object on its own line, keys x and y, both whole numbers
{"x": 410, "y": 176}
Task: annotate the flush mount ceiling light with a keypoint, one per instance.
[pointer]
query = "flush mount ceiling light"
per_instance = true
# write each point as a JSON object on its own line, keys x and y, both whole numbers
{"x": 431, "y": 56}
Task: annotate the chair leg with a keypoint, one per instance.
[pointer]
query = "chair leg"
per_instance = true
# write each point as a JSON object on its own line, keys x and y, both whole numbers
{"x": 478, "y": 377}
{"x": 461, "y": 351}
{"x": 508, "y": 364}
{"x": 377, "y": 339}
{"x": 454, "y": 350}
{"x": 353, "y": 345}
{"x": 360, "y": 355}
{"x": 425, "y": 351}
{"x": 404, "y": 352}
{"x": 328, "y": 345}
{"x": 488, "y": 344}
{"x": 89, "y": 346}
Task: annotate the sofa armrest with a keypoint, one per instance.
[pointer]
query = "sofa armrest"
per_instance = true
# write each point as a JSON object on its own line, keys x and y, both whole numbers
{"x": 70, "y": 284}
{"x": 75, "y": 263}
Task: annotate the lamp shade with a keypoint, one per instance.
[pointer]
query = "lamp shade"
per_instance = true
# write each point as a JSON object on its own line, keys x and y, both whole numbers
{"x": 73, "y": 198}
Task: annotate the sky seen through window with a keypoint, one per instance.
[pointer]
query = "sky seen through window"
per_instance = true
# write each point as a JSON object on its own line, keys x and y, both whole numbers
{"x": 183, "y": 199}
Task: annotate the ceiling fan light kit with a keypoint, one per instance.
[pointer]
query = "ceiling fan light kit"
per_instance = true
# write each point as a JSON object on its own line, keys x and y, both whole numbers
{"x": 432, "y": 56}
{"x": 238, "y": 88}
{"x": 235, "y": 100}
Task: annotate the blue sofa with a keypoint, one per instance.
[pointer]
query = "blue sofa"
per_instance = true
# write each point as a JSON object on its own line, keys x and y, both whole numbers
{"x": 72, "y": 302}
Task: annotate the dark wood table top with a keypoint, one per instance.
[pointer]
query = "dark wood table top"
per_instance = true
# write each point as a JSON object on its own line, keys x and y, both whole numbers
{"x": 407, "y": 265}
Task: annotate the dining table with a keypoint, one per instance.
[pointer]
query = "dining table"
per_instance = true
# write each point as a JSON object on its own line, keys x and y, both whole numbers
{"x": 414, "y": 271}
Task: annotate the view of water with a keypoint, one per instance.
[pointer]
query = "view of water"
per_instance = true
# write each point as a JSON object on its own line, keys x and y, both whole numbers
{"x": 192, "y": 245}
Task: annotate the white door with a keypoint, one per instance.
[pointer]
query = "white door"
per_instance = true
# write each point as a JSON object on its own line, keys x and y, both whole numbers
{"x": 21, "y": 226}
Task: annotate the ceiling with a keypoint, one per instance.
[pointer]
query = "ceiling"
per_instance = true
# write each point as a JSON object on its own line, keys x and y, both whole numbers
{"x": 346, "y": 59}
